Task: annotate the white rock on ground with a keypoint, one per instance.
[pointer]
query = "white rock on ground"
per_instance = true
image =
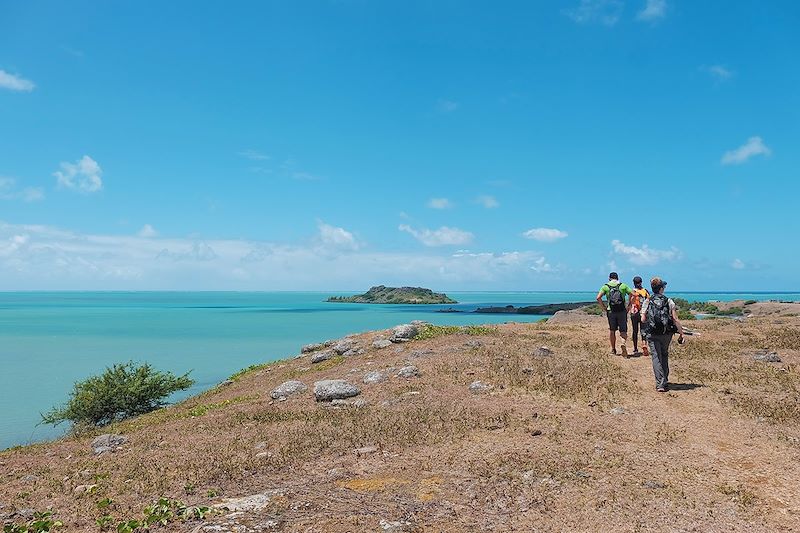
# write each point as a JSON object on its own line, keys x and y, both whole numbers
{"x": 381, "y": 343}
{"x": 108, "y": 442}
{"x": 409, "y": 371}
{"x": 375, "y": 376}
{"x": 318, "y": 357}
{"x": 404, "y": 332}
{"x": 478, "y": 387}
{"x": 334, "y": 389}
{"x": 287, "y": 388}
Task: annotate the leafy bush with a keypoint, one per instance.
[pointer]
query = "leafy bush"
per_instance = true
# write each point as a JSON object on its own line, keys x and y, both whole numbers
{"x": 122, "y": 391}
{"x": 42, "y": 523}
{"x": 593, "y": 309}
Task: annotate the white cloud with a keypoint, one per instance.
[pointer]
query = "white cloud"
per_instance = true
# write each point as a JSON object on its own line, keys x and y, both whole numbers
{"x": 440, "y": 203}
{"x": 487, "y": 201}
{"x": 12, "y": 82}
{"x": 753, "y": 147}
{"x": 605, "y": 12}
{"x": 84, "y": 175}
{"x": 8, "y": 191}
{"x": 254, "y": 155}
{"x": 738, "y": 264}
{"x": 545, "y": 234}
{"x": 718, "y": 72}
{"x": 541, "y": 265}
{"x": 446, "y": 106}
{"x": 147, "y": 231}
{"x": 336, "y": 238}
{"x": 653, "y": 10}
{"x": 49, "y": 258}
{"x": 443, "y": 236}
{"x": 644, "y": 255}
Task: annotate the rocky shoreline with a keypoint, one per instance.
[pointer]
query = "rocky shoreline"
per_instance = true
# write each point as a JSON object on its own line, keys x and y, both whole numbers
{"x": 546, "y": 309}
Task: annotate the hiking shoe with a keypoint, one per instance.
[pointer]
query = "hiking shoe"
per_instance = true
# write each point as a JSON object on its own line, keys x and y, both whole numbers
{"x": 661, "y": 389}
{"x": 624, "y": 351}
{"x": 614, "y": 351}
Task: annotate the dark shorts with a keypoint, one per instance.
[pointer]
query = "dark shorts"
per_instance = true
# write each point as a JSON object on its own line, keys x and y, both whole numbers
{"x": 618, "y": 320}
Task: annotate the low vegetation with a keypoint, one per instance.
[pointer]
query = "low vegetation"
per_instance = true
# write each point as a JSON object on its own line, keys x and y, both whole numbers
{"x": 122, "y": 391}
{"x": 396, "y": 295}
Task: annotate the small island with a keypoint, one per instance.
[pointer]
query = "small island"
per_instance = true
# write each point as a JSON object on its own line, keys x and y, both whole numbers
{"x": 395, "y": 295}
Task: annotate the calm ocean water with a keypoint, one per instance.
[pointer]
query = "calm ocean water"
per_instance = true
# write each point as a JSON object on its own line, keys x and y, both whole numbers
{"x": 49, "y": 340}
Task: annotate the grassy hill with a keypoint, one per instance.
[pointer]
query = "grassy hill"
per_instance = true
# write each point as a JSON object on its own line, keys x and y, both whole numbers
{"x": 396, "y": 295}
{"x": 485, "y": 431}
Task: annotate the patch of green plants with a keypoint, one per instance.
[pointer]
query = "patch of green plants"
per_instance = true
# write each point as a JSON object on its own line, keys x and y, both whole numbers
{"x": 121, "y": 392}
{"x": 430, "y": 331}
{"x": 252, "y": 368}
{"x": 161, "y": 513}
{"x": 733, "y": 311}
{"x": 200, "y": 410}
{"x": 593, "y": 309}
{"x": 42, "y": 522}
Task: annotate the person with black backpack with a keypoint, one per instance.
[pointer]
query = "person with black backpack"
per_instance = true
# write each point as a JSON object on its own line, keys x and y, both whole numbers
{"x": 659, "y": 323}
{"x": 616, "y": 310}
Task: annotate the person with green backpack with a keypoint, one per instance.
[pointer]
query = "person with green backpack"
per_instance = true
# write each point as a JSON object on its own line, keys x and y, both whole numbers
{"x": 659, "y": 323}
{"x": 616, "y": 310}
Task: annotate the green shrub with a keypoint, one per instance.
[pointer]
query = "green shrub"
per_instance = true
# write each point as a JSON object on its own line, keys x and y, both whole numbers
{"x": 122, "y": 391}
{"x": 593, "y": 309}
{"x": 750, "y": 302}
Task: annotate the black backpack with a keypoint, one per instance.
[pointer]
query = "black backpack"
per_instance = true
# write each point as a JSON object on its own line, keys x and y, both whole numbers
{"x": 616, "y": 301}
{"x": 659, "y": 317}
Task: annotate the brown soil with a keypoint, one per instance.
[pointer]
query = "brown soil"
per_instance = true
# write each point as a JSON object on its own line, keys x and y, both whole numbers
{"x": 540, "y": 451}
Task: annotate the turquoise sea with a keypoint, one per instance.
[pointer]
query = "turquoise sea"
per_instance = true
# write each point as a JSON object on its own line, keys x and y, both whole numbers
{"x": 49, "y": 340}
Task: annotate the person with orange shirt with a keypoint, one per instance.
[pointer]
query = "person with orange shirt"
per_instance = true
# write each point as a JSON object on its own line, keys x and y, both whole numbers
{"x": 638, "y": 295}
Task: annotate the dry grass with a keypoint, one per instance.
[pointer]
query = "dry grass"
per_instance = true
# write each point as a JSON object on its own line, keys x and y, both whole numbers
{"x": 537, "y": 450}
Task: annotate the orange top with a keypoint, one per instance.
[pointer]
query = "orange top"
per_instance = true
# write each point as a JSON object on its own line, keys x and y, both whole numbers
{"x": 637, "y": 297}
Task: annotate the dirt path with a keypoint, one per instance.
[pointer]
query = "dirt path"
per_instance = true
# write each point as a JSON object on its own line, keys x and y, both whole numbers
{"x": 742, "y": 458}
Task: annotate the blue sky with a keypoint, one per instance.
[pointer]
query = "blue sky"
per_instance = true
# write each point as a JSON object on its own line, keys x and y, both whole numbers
{"x": 339, "y": 144}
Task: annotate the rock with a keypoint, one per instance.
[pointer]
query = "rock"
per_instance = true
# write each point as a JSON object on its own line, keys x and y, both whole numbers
{"x": 318, "y": 357}
{"x": 376, "y": 376}
{"x": 108, "y": 442}
{"x": 404, "y": 333}
{"x": 287, "y": 388}
{"x": 543, "y": 351}
{"x": 473, "y": 343}
{"x": 653, "y": 485}
{"x": 29, "y": 478}
{"x": 334, "y": 389}
{"x": 536, "y": 432}
{"x": 353, "y": 351}
{"x": 313, "y": 347}
{"x": 381, "y": 343}
{"x": 419, "y": 353}
{"x": 343, "y": 346}
{"x": 408, "y": 372}
{"x": 83, "y": 489}
{"x": 253, "y": 502}
{"x": 365, "y": 450}
{"x": 478, "y": 387}
{"x": 767, "y": 357}
{"x": 395, "y": 526}
{"x": 337, "y": 473}
{"x": 360, "y": 403}
{"x": 618, "y": 411}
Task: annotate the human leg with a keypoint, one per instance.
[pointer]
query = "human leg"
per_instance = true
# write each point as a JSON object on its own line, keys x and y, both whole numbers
{"x": 656, "y": 344}
{"x": 635, "y": 320}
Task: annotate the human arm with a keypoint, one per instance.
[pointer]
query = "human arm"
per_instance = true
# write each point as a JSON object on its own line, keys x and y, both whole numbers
{"x": 677, "y": 321}
{"x": 600, "y": 302}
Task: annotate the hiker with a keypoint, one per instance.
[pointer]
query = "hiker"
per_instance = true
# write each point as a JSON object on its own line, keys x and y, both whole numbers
{"x": 616, "y": 310}
{"x": 638, "y": 295}
{"x": 660, "y": 320}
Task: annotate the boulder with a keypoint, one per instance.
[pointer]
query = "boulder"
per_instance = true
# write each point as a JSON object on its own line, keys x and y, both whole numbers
{"x": 334, "y": 389}
{"x": 375, "y": 376}
{"x": 767, "y": 357}
{"x": 542, "y": 351}
{"x": 108, "y": 442}
{"x": 353, "y": 351}
{"x": 381, "y": 343}
{"x": 618, "y": 411}
{"x": 409, "y": 371}
{"x": 313, "y": 347}
{"x": 343, "y": 346}
{"x": 287, "y": 388}
{"x": 473, "y": 343}
{"x": 318, "y": 357}
{"x": 404, "y": 332}
{"x": 478, "y": 387}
